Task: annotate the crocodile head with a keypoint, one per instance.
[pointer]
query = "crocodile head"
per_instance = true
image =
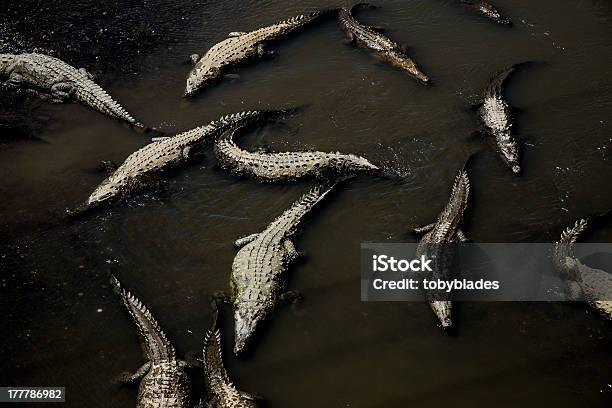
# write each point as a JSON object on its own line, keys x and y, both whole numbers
{"x": 105, "y": 191}
{"x": 491, "y": 12}
{"x": 405, "y": 63}
{"x": 360, "y": 164}
{"x": 246, "y": 320}
{"x": 510, "y": 158}
{"x": 199, "y": 76}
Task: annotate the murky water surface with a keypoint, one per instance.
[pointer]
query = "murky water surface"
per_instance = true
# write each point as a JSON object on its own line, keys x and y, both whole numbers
{"x": 63, "y": 326}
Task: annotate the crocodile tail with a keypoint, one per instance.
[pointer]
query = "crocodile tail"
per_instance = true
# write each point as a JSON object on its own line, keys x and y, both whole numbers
{"x": 92, "y": 95}
{"x": 357, "y": 5}
{"x": 496, "y": 83}
{"x": 156, "y": 344}
{"x": 461, "y": 188}
{"x": 565, "y": 246}
{"x": 315, "y": 195}
{"x": 303, "y": 19}
{"x": 214, "y": 370}
{"x": 246, "y": 117}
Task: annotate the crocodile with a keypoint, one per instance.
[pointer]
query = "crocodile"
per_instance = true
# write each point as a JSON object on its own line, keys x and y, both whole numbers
{"x": 435, "y": 245}
{"x": 163, "y": 380}
{"x": 487, "y": 10}
{"x": 385, "y": 48}
{"x": 583, "y": 282}
{"x": 165, "y": 152}
{"x": 50, "y": 76}
{"x": 258, "y": 281}
{"x": 497, "y": 121}
{"x": 240, "y": 47}
{"x": 285, "y": 166}
{"x": 223, "y": 392}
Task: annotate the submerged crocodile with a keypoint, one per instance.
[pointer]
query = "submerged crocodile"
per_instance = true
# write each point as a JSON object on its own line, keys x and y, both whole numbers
{"x": 258, "y": 281}
{"x": 497, "y": 121}
{"x": 286, "y": 165}
{"x": 240, "y": 47}
{"x": 62, "y": 82}
{"x": 145, "y": 163}
{"x": 163, "y": 380}
{"x": 385, "y": 48}
{"x": 487, "y": 10}
{"x": 223, "y": 393}
{"x": 435, "y": 245}
{"x": 583, "y": 282}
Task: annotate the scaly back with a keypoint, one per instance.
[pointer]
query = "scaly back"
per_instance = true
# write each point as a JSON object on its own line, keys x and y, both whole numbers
{"x": 459, "y": 197}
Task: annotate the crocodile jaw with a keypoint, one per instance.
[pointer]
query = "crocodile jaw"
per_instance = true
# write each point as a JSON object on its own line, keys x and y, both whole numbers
{"x": 405, "y": 63}
{"x": 104, "y": 192}
{"x": 246, "y": 322}
{"x": 198, "y": 77}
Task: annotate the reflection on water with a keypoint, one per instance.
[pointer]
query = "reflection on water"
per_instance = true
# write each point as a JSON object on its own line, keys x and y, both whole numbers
{"x": 64, "y": 326}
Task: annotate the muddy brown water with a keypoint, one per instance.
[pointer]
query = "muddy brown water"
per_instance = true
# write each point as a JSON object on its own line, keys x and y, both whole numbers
{"x": 63, "y": 326}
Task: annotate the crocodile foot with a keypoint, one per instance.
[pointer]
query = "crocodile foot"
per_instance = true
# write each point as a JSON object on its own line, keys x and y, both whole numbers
{"x": 219, "y": 297}
{"x": 108, "y": 166}
{"x": 62, "y": 91}
{"x": 128, "y": 378}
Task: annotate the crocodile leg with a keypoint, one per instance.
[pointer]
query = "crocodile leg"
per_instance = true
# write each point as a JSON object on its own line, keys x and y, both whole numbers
{"x": 462, "y": 237}
{"x": 62, "y": 91}
{"x": 15, "y": 80}
{"x": 108, "y": 166}
{"x": 240, "y": 242}
{"x": 194, "y": 58}
{"x": 251, "y": 397}
{"x": 263, "y": 52}
{"x": 425, "y": 228}
{"x": 351, "y": 39}
{"x": 186, "y": 151}
{"x": 291, "y": 251}
{"x": 219, "y": 296}
{"x": 85, "y": 73}
{"x": 290, "y": 296}
{"x": 126, "y": 378}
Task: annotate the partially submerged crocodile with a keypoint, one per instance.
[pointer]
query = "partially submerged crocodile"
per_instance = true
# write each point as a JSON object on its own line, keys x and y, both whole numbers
{"x": 385, "y": 48}
{"x": 163, "y": 380}
{"x": 222, "y": 392}
{"x": 437, "y": 242}
{"x": 497, "y": 121}
{"x": 143, "y": 164}
{"x": 487, "y": 10}
{"x": 286, "y": 165}
{"x": 62, "y": 82}
{"x": 258, "y": 281}
{"x": 240, "y": 47}
{"x": 583, "y": 282}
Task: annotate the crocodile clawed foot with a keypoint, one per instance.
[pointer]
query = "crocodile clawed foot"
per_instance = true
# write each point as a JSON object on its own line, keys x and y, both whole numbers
{"x": 124, "y": 378}
{"x": 291, "y": 296}
{"x": 219, "y": 297}
{"x": 108, "y": 167}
